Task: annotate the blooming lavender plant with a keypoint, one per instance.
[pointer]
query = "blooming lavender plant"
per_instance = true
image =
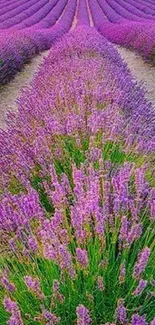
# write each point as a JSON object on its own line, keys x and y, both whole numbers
{"x": 133, "y": 35}
{"x": 76, "y": 196}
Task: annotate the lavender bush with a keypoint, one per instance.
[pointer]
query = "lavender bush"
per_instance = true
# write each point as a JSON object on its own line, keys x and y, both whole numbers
{"x": 134, "y": 35}
{"x": 132, "y": 8}
{"x": 77, "y": 193}
{"x": 18, "y": 47}
{"x": 37, "y": 16}
{"x": 127, "y": 11}
{"x": 43, "y": 22}
{"x": 14, "y": 17}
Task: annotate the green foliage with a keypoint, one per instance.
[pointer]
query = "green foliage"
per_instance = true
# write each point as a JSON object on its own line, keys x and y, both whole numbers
{"x": 113, "y": 152}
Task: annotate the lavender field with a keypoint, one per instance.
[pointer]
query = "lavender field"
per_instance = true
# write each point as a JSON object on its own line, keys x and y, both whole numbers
{"x": 77, "y": 165}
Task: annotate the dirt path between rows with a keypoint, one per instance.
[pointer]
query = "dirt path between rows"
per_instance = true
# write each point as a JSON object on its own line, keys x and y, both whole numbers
{"x": 10, "y": 92}
{"x": 140, "y": 70}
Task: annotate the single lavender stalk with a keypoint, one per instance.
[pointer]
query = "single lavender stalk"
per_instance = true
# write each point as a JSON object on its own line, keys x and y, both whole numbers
{"x": 33, "y": 285}
{"x": 50, "y": 318}
{"x": 83, "y": 317}
{"x": 138, "y": 320}
{"x": 141, "y": 263}
{"x": 141, "y": 286}
{"x": 152, "y": 204}
{"x": 121, "y": 313}
{"x": 100, "y": 284}
{"x": 32, "y": 244}
{"x": 82, "y": 257}
{"x": 56, "y": 292}
{"x": 122, "y": 273}
{"x": 134, "y": 233}
{"x": 7, "y": 284}
{"x": 12, "y": 307}
{"x": 65, "y": 260}
{"x": 124, "y": 229}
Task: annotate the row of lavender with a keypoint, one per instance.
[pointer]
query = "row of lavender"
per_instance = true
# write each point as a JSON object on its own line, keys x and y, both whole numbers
{"x": 31, "y": 27}
{"x": 136, "y": 36}
{"x": 124, "y": 24}
{"x": 45, "y": 17}
{"x": 40, "y": 14}
{"x": 18, "y": 47}
{"x": 77, "y": 193}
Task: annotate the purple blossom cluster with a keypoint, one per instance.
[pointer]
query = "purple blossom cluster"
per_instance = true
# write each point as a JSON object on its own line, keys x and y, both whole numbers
{"x": 121, "y": 313}
{"x": 4, "y": 280}
{"x": 17, "y": 210}
{"x": 12, "y": 307}
{"x": 83, "y": 316}
{"x": 142, "y": 262}
{"x": 33, "y": 285}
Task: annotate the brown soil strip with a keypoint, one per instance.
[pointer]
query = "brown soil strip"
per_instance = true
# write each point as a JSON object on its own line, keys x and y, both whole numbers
{"x": 10, "y": 92}
{"x": 141, "y": 71}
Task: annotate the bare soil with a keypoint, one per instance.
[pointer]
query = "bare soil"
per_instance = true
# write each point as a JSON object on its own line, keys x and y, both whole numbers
{"x": 11, "y": 91}
{"x": 141, "y": 71}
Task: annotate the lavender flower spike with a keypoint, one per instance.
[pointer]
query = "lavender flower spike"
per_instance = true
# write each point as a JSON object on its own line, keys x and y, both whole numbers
{"x": 141, "y": 262}
{"x": 12, "y": 307}
{"x": 138, "y": 320}
{"x": 82, "y": 257}
{"x": 83, "y": 317}
{"x": 121, "y": 314}
{"x": 33, "y": 284}
{"x": 141, "y": 286}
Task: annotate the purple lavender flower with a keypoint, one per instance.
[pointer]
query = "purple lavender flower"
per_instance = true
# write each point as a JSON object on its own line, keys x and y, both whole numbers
{"x": 152, "y": 204}
{"x": 139, "y": 180}
{"x": 7, "y": 284}
{"x": 56, "y": 292}
{"x": 134, "y": 233}
{"x": 32, "y": 244}
{"x": 12, "y": 307}
{"x": 33, "y": 284}
{"x": 82, "y": 256}
{"x": 138, "y": 320}
{"x": 141, "y": 263}
{"x": 15, "y": 319}
{"x": 12, "y": 244}
{"x": 122, "y": 273}
{"x": 152, "y": 210}
{"x": 152, "y": 322}
{"x": 56, "y": 286}
{"x": 65, "y": 257}
{"x": 141, "y": 286}
{"x": 100, "y": 284}
{"x": 121, "y": 313}
{"x": 83, "y": 317}
{"x": 65, "y": 260}
{"x": 50, "y": 318}
{"x": 124, "y": 228}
